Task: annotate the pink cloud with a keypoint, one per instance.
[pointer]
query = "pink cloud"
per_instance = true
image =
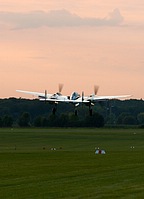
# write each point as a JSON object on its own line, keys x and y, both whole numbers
{"x": 57, "y": 18}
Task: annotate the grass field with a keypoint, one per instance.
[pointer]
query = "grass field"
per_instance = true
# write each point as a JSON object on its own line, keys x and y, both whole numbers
{"x": 29, "y": 169}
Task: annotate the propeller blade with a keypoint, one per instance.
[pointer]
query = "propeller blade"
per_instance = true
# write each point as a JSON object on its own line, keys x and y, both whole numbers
{"x": 82, "y": 96}
{"x": 96, "y": 89}
{"x": 60, "y": 88}
{"x": 45, "y": 95}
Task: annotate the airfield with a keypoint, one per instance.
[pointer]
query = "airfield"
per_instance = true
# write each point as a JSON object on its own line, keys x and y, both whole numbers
{"x": 62, "y": 164}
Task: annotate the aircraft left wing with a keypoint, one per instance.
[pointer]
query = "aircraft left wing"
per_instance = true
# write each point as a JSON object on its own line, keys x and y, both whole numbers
{"x": 99, "y": 98}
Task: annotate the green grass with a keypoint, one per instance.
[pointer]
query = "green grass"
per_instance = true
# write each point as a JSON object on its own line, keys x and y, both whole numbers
{"x": 30, "y": 169}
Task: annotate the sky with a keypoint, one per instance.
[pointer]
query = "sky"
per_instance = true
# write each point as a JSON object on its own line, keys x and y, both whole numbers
{"x": 77, "y": 43}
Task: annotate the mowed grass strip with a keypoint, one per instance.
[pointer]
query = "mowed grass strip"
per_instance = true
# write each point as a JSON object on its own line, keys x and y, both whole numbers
{"x": 30, "y": 169}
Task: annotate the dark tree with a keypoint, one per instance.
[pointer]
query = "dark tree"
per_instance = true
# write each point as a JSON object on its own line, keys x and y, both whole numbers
{"x": 53, "y": 121}
{"x": 129, "y": 120}
{"x": 1, "y": 122}
{"x": 7, "y": 121}
{"x": 121, "y": 118}
{"x": 44, "y": 122}
{"x": 63, "y": 120}
{"x": 74, "y": 120}
{"x": 24, "y": 120}
{"x": 96, "y": 120}
{"x": 140, "y": 118}
{"x": 38, "y": 121}
{"x": 126, "y": 119}
{"x": 40, "y": 113}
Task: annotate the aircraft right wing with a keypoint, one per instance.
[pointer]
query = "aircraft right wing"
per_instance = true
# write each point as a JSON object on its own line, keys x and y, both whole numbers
{"x": 37, "y": 94}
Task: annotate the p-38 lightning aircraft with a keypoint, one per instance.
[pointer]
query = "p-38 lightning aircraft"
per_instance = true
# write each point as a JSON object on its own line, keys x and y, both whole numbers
{"x": 75, "y": 98}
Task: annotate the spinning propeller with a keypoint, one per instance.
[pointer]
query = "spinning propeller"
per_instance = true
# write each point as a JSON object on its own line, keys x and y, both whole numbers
{"x": 60, "y": 88}
{"x": 45, "y": 95}
{"x": 96, "y": 88}
{"x": 82, "y": 96}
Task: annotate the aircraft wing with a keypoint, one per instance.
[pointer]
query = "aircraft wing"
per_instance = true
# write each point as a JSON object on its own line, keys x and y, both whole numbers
{"x": 53, "y": 100}
{"x": 41, "y": 97}
{"x": 100, "y": 98}
{"x": 77, "y": 101}
{"x": 37, "y": 94}
{"x": 86, "y": 100}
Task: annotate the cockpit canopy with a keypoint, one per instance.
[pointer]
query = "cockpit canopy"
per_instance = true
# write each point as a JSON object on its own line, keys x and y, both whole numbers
{"x": 75, "y": 95}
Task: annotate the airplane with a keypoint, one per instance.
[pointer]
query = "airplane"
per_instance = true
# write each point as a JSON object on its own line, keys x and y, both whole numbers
{"x": 53, "y": 98}
{"x": 75, "y": 98}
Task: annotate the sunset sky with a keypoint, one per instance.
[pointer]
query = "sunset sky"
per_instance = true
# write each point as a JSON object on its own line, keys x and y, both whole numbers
{"x": 75, "y": 42}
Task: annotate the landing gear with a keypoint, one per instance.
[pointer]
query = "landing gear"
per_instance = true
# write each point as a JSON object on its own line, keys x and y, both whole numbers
{"x": 76, "y": 112}
{"x": 90, "y": 111}
{"x": 54, "y": 109}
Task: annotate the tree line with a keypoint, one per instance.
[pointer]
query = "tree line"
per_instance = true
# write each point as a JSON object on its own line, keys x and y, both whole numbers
{"x": 16, "y": 112}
